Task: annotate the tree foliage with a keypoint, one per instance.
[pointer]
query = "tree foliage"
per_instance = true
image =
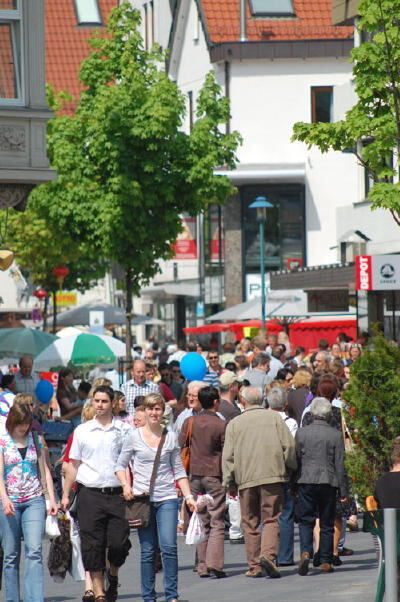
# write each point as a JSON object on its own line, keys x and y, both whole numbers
{"x": 374, "y": 414}
{"x": 40, "y": 245}
{"x": 126, "y": 170}
{"x": 372, "y": 126}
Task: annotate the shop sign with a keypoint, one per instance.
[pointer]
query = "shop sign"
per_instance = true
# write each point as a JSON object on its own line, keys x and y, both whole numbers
{"x": 377, "y": 272}
{"x": 66, "y": 299}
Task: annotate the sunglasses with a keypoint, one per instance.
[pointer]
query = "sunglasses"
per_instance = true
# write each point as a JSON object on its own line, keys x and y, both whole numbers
{"x": 213, "y": 357}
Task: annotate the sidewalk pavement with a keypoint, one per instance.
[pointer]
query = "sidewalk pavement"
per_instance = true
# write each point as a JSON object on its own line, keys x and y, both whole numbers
{"x": 354, "y": 581}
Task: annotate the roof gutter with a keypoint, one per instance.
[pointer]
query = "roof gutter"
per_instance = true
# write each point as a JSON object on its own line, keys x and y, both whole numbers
{"x": 243, "y": 37}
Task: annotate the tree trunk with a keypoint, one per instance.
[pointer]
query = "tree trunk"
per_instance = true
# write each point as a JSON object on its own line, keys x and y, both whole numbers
{"x": 54, "y": 311}
{"x": 45, "y": 310}
{"x": 128, "y": 309}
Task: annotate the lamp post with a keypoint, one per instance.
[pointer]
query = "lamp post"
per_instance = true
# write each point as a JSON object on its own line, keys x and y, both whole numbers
{"x": 261, "y": 205}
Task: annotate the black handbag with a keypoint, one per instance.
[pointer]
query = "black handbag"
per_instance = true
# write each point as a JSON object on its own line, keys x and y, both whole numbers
{"x": 138, "y": 510}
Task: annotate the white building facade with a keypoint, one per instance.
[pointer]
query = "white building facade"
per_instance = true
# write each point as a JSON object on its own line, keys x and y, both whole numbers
{"x": 287, "y": 69}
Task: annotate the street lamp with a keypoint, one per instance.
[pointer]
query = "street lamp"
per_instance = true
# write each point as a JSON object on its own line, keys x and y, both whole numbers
{"x": 261, "y": 205}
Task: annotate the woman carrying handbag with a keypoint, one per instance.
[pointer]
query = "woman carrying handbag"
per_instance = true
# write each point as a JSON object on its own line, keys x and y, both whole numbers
{"x": 155, "y": 453}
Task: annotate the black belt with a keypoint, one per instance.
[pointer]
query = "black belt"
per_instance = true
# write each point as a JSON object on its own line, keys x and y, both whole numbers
{"x": 109, "y": 490}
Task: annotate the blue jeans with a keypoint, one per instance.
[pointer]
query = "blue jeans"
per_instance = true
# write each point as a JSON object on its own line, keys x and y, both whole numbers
{"x": 29, "y": 522}
{"x": 162, "y": 529}
{"x": 286, "y": 526}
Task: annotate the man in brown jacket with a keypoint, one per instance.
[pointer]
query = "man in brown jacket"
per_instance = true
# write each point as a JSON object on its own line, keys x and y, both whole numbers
{"x": 207, "y": 441}
{"x": 259, "y": 452}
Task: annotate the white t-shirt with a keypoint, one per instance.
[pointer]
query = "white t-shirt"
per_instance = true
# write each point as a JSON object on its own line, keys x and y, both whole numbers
{"x": 98, "y": 449}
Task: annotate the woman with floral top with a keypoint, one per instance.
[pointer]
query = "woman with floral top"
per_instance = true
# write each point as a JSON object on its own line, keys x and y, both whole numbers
{"x": 23, "y": 507}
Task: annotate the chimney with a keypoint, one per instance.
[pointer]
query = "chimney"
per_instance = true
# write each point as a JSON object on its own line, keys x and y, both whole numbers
{"x": 243, "y": 20}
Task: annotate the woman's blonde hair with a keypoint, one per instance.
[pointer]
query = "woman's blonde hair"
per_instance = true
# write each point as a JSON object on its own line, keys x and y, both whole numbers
{"x": 99, "y": 382}
{"x": 302, "y": 378}
{"x": 88, "y": 413}
{"x": 24, "y": 399}
{"x": 19, "y": 414}
{"x": 154, "y": 399}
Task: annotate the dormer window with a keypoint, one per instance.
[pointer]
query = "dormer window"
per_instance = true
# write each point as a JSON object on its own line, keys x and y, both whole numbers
{"x": 88, "y": 12}
{"x": 272, "y": 8}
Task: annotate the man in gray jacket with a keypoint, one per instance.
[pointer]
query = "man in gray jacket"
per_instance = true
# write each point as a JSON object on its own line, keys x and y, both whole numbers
{"x": 259, "y": 451}
{"x": 321, "y": 472}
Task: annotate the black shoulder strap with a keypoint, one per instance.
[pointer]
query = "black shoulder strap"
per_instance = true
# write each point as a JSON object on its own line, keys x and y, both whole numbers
{"x": 157, "y": 462}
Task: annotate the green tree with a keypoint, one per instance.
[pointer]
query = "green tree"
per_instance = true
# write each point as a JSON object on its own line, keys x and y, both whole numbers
{"x": 40, "y": 245}
{"x": 372, "y": 126}
{"x": 126, "y": 169}
{"x": 374, "y": 414}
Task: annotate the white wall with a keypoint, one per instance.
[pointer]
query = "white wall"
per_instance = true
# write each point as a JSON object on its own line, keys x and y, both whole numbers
{"x": 162, "y": 20}
{"x": 378, "y": 225}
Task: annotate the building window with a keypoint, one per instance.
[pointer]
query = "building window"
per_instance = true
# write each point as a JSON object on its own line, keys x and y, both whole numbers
{"x": 321, "y": 104}
{"x": 88, "y": 12}
{"x": 11, "y": 87}
{"x": 272, "y": 8}
{"x": 284, "y": 228}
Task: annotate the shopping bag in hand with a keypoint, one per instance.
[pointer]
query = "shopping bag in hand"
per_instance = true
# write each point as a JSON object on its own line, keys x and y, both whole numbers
{"x": 196, "y": 532}
{"x": 77, "y": 569}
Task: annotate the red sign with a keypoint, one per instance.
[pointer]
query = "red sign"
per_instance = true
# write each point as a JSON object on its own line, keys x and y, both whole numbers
{"x": 294, "y": 263}
{"x": 185, "y": 246}
{"x": 363, "y": 273}
{"x": 51, "y": 377}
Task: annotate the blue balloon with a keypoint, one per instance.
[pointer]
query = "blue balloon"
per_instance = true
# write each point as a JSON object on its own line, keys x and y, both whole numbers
{"x": 193, "y": 366}
{"x": 44, "y": 391}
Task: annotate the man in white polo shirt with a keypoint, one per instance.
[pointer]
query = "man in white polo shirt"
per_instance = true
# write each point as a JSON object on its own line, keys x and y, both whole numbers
{"x": 101, "y": 508}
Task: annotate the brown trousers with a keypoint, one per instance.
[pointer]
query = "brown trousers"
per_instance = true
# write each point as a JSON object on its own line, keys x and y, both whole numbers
{"x": 261, "y": 505}
{"x": 210, "y": 553}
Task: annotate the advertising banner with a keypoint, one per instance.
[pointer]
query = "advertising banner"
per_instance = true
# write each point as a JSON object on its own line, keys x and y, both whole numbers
{"x": 66, "y": 298}
{"x": 377, "y": 272}
{"x": 185, "y": 246}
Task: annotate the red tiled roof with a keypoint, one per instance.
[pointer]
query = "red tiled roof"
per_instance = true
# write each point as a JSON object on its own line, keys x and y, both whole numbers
{"x": 313, "y": 21}
{"x": 66, "y": 45}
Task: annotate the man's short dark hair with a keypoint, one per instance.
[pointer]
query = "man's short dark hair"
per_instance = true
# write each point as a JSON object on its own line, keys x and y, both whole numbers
{"x": 7, "y": 380}
{"x": 277, "y": 351}
{"x": 207, "y": 396}
{"x": 138, "y": 401}
{"x": 261, "y": 359}
{"x": 105, "y": 389}
{"x": 85, "y": 387}
{"x": 173, "y": 363}
{"x": 164, "y": 366}
{"x": 323, "y": 344}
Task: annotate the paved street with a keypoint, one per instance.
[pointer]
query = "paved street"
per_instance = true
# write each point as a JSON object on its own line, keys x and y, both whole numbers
{"x": 353, "y": 581}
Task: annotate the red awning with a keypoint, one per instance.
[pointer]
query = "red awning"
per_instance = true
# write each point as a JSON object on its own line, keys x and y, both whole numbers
{"x": 307, "y": 334}
{"x": 236, "y": 327}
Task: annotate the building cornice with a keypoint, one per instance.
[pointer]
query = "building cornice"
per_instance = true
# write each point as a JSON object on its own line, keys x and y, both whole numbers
{"x": 281, "y": 49}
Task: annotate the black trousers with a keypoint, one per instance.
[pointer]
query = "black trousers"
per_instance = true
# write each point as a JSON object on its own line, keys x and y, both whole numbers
{"x": 102, "y": 526}
{"x": 317, "y": 501}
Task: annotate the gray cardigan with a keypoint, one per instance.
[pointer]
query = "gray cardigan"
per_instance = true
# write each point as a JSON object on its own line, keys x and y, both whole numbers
{"x": 320, "y": 456}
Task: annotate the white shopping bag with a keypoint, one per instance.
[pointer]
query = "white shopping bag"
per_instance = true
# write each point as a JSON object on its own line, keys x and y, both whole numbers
{"x": 195, "y": 533}
{"x": 77, "y": 569}
{"x": 52, "y": 530}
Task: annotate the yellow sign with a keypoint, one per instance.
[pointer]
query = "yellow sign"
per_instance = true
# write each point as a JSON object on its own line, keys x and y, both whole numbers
{"x": 250, "y": 331}
{"x": 65, "y": 299}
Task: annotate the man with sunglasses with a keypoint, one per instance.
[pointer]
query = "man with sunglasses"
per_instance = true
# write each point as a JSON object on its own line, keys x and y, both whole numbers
{"x": 214, "y": 369}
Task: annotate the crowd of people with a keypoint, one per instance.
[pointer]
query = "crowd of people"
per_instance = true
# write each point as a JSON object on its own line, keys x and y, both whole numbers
{"x": 264, "y": 434}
